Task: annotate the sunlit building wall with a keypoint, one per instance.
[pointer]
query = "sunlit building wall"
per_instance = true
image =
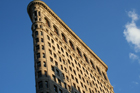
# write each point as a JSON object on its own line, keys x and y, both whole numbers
{"x": 63, "y": 62}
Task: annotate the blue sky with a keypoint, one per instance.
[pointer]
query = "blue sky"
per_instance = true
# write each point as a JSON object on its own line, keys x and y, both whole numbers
{"x": 111, "y": 28}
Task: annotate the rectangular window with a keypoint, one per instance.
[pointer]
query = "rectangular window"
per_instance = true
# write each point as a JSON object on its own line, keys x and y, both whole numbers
{"x": 65, "y": 85}
{"x": 54, "y": 78}
{"x": 39, "y": 74}
{"x": 35, "y": 13}
{"x": 57, "y": 72}
{"x": 45, "y": 73}
{"x": 60, "y": 91}
{"x": 43, "y": 55}
{"x": 37, "y": 40}
{"x": 38, "y": 55}
{"x": 44, "y": 63}
{"x": 40, "y": 84}
{"x": 42, "y": 40}
{"x": 52, "y": 68}
{"x": 55, "y": 88}
{"x": 37, "y": 47}
{"x": 56, "y": 64}
{"x": 42, "y": 47}
{"x": 46, "y": 83}
{"x": 51, "y": 59}
{"x": 38, "y": 64}
{"x": 59, "y": 82}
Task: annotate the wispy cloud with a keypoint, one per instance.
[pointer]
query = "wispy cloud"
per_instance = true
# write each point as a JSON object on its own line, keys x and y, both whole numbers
{"x": 134, "y": 82}
{"x": 134, "y": 57}
{"x": 132, "y": 32}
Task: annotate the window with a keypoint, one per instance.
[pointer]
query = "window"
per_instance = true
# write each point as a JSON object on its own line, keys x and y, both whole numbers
{"x": 38, "y": 64}
{"x": 39, "y": 13}
{"x": 50, "y": 51}
{"x": 79, "y": 52}
{"x": 63, "y": 75}
{"x": 74, "y": 85}
{"x": 72, "y": 77}
{"x": 60, "y": 59}
{"x": 60, "y": 91}
{"x": 55, "y": 56}
{"x": 64, "y": 38}
{"x": 67, "y": 78}
{"x": 40, "y": 84}
{"x": 52, "y": 41}
{"x": 46, "y": 84}
{"x": 41, "y": 33}
{"x": 47, "y": 22}
{"x": 79, "y": 89}
{"x": 81, "y": 84}
{"x": 56, "y": 64}
{"x": 49, "y": 44}
{"x": 45, "y": 73}
{"x": 55, "y": 88}
{"x": 57, "y": 72}
{"x": 54, "y": 78}
{"x": 44, "y": 63}
{"x": 65, "y": 85}
{"x": 37, "y": 47}
{"x": 74, "y": 72}
{"x": 70, "y": 68}
{"x": 53, "y": 48}
{"x": 92, "y": 64}
{"x": 36, "y": 33}
{"x": 86, "y": 58}
{"x": 35, "y": 13}
{"x": 65, "y": 69}
{"x": 43, "y": 55}
{"x": 38, "y": 55}
{"x": 104, "y": 75}
{"x": 62, "y": 50}
{"x": 37, "y": 40}
{"x": 59, "y": 82}
{"x": 61, "y": 67}
{"x": 51, "y": 59}
{"x": 39, "y": 74}
{"x": 55, "y": 30}
{"x": 71, "y": 44}
{"x": 98, "y": 70}
{"x": 57, "y": 46}
{"x": 63, "y": 61}
{"x": 42, "y": 40}
{"x": 42, "y": 47}
{"x": 52, "y": 68}
{"x": 76, "y": 80}
{"x": 48, "y": 37}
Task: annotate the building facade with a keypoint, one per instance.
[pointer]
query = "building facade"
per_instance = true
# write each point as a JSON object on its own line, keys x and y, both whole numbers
{"x": 63, "y": 62}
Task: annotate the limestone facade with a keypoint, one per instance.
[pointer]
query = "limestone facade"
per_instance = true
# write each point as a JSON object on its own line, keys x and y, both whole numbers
{"x": 63, "y": 62}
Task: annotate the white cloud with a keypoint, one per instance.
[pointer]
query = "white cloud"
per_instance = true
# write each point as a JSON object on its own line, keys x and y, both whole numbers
{"x": 133, "y": 56}
{"x": 132, "y": 32}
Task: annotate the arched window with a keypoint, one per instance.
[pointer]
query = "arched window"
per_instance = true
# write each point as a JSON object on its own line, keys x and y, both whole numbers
{"x": 98, "y": 70}
{"x": 72, "y": 46}
{"x": 47, "y": 22}
{"x": 86, "y": 58}
{"x": 104, "y": 75}
{"x": 79, "y": 52}
{"x": 92, "y": 64}
{"x": 63, "y": 37}
{"x": 55, "y": 30}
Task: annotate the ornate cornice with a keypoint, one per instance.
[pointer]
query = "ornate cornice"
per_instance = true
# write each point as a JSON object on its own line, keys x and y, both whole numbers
{"x": 66, "y": 27}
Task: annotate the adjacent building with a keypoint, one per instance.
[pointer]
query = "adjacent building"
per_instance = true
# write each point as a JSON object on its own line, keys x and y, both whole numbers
{"x": 63, "y": 62}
